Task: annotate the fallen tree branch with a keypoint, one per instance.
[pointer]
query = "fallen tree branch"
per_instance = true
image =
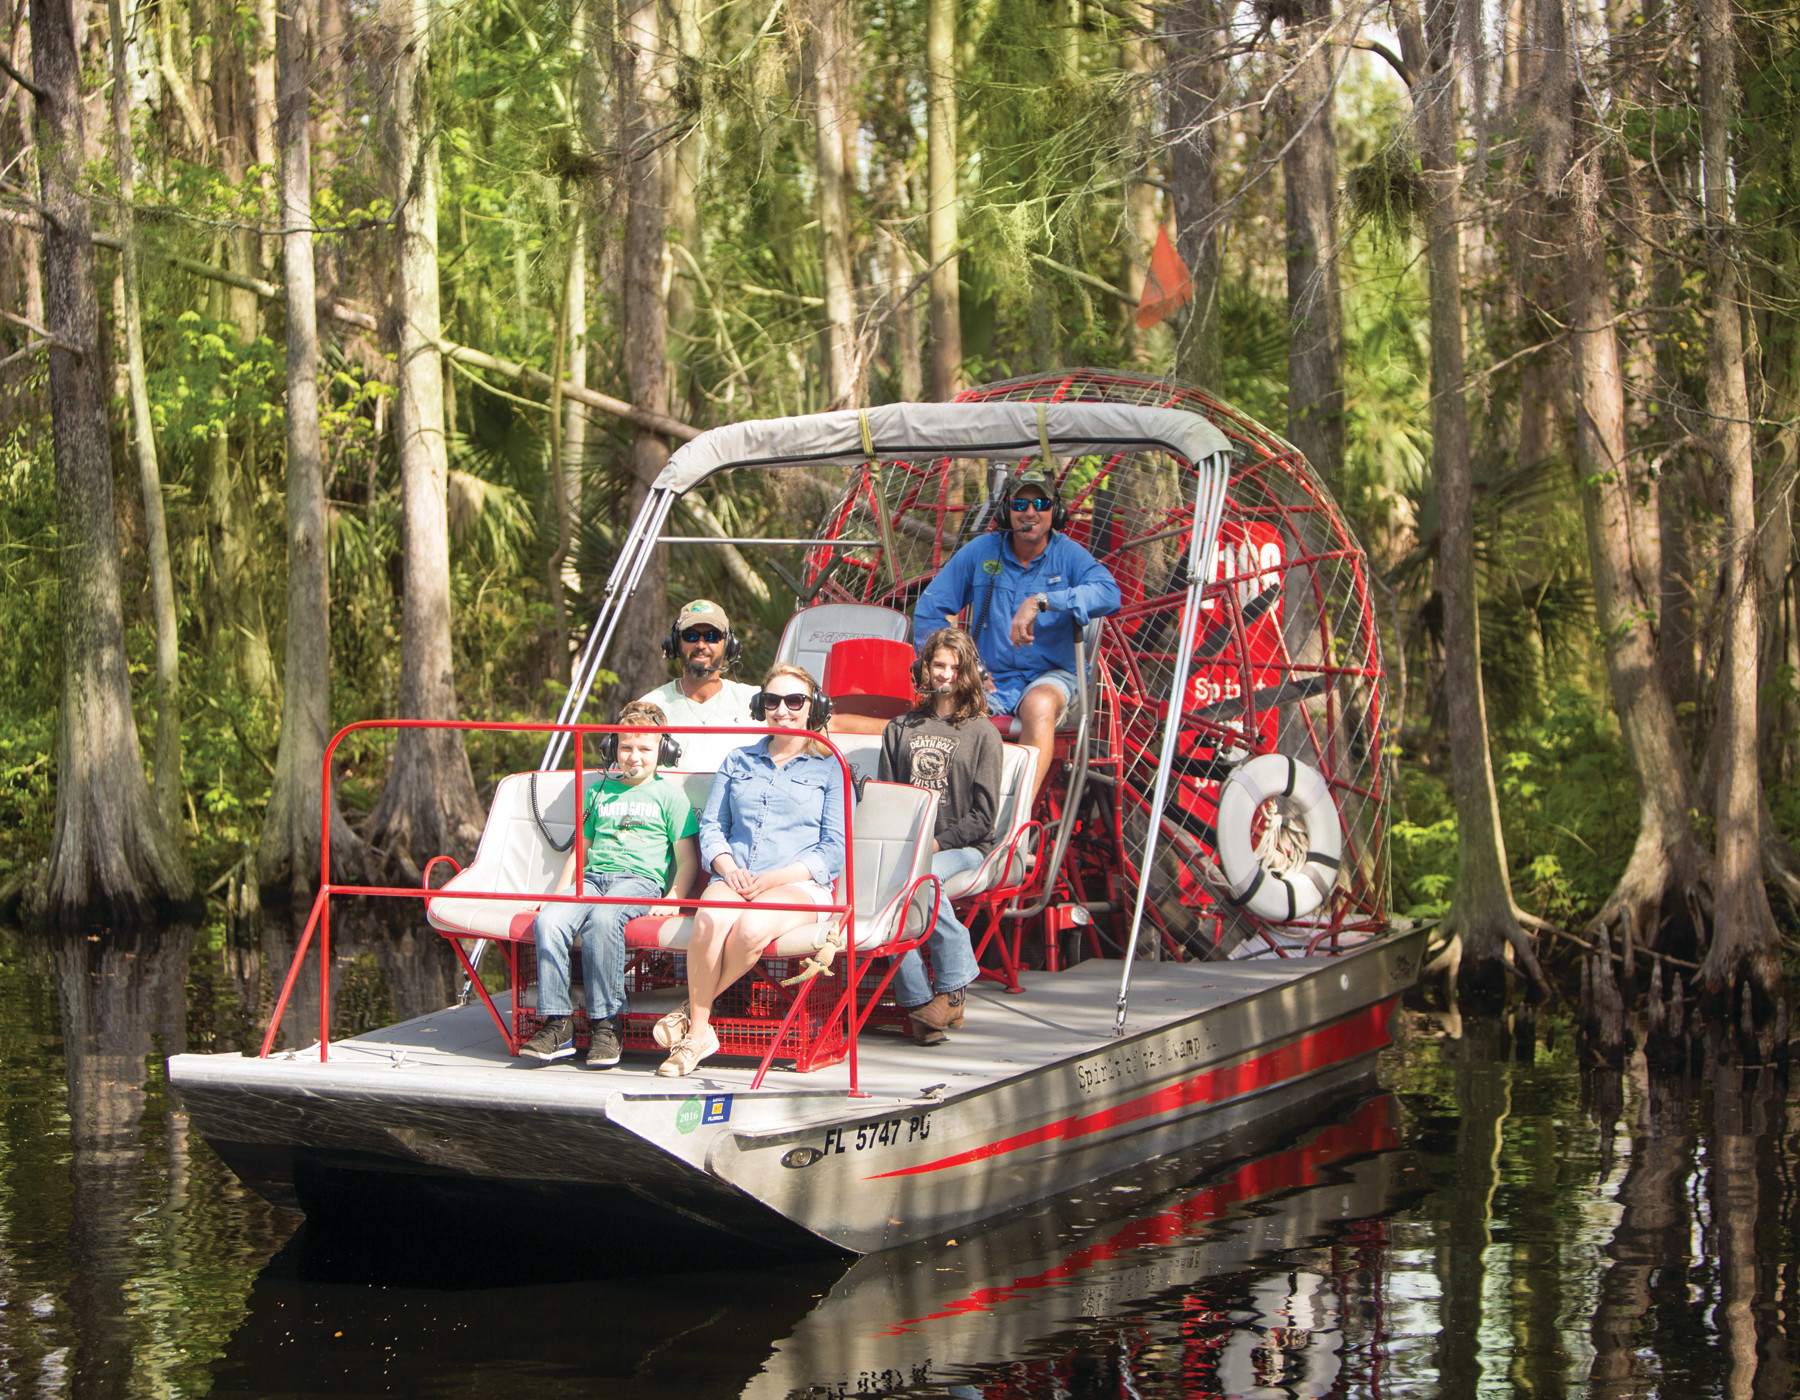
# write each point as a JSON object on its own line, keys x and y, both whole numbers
{"x": 21, "y": 79}
{"x": 45, "y": 337}
{"x": 463, "y": 354}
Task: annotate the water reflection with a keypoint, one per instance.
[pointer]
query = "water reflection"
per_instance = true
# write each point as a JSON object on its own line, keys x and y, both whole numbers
{"x": 1504, "y": 1223}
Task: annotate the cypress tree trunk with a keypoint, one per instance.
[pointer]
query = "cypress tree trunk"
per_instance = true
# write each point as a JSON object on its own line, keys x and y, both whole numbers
{"x": 168, "y": 783}
{"x": 1745, "y": 943}
{"x": 945, "y": 328}
{"x": 1315, "y": 319}
{"x": 644, "y": 94}
{"x": 1481, "y": 923}
{"x": 1667, "y": 866}
{"x": 111, "y": 854}
{"x": 1197, "y": 82}
{"x": 429, "y": 805}
{"x": 290, "y": 835}
{"x": 833, "y": 52}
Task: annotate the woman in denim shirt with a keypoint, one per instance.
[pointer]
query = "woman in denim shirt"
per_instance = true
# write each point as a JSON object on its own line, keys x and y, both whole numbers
{"x": 772, "y": 833}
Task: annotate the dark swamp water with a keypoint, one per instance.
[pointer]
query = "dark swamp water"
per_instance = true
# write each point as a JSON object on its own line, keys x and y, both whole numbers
{"x": 1496, "y": 1221}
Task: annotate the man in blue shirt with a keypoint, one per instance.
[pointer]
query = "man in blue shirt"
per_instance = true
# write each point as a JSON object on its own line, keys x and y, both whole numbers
{"x": 1028, "y": 588}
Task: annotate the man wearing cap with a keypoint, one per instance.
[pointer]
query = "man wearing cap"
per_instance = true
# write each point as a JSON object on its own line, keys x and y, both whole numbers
{"x": 1028, "y": 587}
{"x": 702, "y": 641}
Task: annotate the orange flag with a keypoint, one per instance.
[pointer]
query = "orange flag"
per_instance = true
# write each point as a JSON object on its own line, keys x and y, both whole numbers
{"x": 1168, "y": 286}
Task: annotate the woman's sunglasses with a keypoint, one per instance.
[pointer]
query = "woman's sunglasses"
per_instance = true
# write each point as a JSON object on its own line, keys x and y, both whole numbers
{"x": 1039, "y": 503}
{"x": 772, "y": 701}
{"x": 702, "y": 634}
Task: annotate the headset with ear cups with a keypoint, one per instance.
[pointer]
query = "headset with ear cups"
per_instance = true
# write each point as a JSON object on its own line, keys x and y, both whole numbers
{"x": 818, "y": 710}
{"x": 671, "y": 647}
{"x": 668, "y": 751}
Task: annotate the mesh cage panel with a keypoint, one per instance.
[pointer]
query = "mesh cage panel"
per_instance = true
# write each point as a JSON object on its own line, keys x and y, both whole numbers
{"x": 1287, "y": 659}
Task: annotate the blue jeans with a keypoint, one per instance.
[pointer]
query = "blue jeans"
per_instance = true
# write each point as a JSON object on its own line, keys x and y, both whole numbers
{"x": 601, "y": 928}
{"x": 952, "y": 954}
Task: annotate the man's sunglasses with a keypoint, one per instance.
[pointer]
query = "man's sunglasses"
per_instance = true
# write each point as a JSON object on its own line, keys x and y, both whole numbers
{"x": 702, "y": 634}
{"x": 772, "y": 701}
{"x": 1039, "y": 503}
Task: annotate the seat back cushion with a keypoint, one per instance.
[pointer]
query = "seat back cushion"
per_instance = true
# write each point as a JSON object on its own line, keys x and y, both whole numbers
{"x": 812, "y": 632}
{"x": 515, "y": 856}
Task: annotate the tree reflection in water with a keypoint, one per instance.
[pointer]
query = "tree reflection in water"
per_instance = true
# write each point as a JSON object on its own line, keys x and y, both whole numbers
{"x": 1573, "y": 1233}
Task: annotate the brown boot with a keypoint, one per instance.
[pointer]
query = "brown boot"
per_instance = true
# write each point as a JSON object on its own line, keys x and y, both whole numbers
{"x": 936, "y": 1014}
{"x": 956, "y": 1008}
{"x": 924, "y": 1035}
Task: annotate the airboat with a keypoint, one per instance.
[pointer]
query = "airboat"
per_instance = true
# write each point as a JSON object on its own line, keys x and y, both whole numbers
{"x": 1186, "y": 931}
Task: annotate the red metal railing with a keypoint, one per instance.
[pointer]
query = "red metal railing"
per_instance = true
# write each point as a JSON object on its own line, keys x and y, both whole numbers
{"x": 320, "y": 916}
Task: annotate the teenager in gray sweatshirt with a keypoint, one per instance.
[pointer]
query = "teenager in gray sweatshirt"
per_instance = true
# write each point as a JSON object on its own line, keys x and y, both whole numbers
{"x": 946, "y": 743}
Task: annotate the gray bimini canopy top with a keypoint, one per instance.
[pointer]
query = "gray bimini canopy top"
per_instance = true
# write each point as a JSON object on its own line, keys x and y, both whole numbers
{"x": 924, "y": 432}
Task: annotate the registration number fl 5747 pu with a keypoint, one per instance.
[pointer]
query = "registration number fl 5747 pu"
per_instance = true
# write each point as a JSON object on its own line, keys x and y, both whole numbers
{"x": 890, "y": 1132}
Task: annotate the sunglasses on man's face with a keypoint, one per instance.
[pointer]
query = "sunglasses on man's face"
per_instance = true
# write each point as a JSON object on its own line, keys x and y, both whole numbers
{"x": 1038, "y": 503}
{"x": 702, "y": 634}
{"x": 772, "y": 701}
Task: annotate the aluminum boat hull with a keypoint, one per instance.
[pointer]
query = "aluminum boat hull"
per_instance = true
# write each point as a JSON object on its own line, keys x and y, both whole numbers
{"x": 1034, "y": 1099}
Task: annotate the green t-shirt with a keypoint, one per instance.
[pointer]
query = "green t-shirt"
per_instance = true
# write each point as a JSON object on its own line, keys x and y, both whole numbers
{"x": 633, "y": 830}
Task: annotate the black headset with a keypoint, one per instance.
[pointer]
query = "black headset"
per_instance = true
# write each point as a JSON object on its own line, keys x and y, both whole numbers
{"x": 818, "y": 713}
{"x": 668, "y": 752}
{"x": 672, "y": 645}
{"x": 1059, "y": 513}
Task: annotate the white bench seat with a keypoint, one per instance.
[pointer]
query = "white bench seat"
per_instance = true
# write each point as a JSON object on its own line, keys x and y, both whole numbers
{"x": 514, "y": 856}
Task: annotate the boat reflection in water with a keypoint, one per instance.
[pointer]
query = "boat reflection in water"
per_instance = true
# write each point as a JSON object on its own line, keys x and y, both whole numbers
{"x": 1262, "y": 1276}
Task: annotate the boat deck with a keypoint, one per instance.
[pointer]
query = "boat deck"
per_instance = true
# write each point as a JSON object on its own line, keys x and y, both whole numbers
{"x": 457, "y": 1051}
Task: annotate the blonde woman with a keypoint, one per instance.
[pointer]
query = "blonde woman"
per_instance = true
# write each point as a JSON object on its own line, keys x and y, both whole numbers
{"x": 772, "y": 833}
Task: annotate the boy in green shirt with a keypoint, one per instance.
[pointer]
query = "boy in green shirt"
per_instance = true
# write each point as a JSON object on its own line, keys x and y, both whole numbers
{"x": 641, "y": 840}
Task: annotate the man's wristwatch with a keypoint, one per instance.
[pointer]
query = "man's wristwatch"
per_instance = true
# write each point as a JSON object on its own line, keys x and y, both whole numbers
{"x": 1043, "y": 602}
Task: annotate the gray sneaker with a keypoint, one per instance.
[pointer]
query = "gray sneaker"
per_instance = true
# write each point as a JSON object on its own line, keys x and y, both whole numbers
{"x": 555, "y": 1040}
{"x": 603, "y": 1044}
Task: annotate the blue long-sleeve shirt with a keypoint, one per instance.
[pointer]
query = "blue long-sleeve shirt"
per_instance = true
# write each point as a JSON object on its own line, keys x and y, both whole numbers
{"x": 769, "y": 816}
{"x": 1077, "y": 584}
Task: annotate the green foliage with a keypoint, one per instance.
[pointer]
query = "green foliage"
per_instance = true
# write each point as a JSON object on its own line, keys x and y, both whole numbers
{"x": 1568, "y": 809}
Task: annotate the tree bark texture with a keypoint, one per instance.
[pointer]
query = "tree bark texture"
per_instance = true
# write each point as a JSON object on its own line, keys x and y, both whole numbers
{"x": 167, "y": 767}
{"x": 289, "y": 848}
{"x": 1481, "y": 908}
{"x": 643, "y": 71}
{"x": 941, "y": 170}
{"x": 429, "y": 806}
{"x": 1745, "y": 942}
{"x": 1197, "y": 79}
{"x": 111, "y": 854}
{"x": 1139, "y": 53}
{"x": 1665, "y": 875}
{"x": 834, "y": 70}
{"x": 1310, "y": 181}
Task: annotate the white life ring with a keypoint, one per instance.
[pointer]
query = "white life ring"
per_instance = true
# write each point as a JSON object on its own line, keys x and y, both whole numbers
{"x": 1268, "y": 893}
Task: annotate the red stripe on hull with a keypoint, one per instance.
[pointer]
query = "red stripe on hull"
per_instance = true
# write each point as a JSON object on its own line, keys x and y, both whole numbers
{"x": 1355, "y": 1035}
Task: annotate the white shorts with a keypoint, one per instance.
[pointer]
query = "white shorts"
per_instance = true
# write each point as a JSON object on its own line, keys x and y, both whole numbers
{"x": 808, "y": 889}
{"x": 818, "y": 894}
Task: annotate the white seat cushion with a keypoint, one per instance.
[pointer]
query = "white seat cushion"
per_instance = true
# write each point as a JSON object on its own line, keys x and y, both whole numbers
{"x": 1018, "y": 762}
